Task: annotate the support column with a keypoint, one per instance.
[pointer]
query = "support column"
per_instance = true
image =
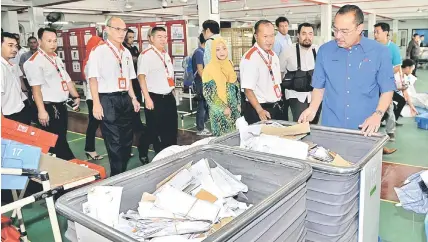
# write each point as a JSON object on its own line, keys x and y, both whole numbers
{"x": 208, "y": 10}
{"x": 326, "y": 21}
{"x": 37, "y": 19}
{"x": 9, "y": 22}
{"x": 395, "y": 34}
{"x": 371, "y": 23}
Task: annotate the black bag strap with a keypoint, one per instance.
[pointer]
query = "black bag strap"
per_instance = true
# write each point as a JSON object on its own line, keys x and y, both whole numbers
{"x": 315, "y": 54}
{"x": 299, "y": 65}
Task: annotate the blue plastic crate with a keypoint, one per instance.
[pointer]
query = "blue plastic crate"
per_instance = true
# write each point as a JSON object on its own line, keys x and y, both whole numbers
{"x": 422, "y": 121}
{"x": 17, "y": 155}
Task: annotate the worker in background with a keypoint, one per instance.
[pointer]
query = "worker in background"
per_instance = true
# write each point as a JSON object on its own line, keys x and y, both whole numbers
{"x": 138, "y": 127}
{"x": 414, "y": 50}
{"x": 110, "y": 74}
{"x": 198, "y": 68}
{"x": 299, "y": 69}
{"x": 156, "y": 76}
{"x": 282, "y": 38}
{"x": 51, "y": 87}
{"x": 381, "y": 34}
{"x": 211, "y": 31}
{"x": 350, "y": 72}
{"x": 261, "y": 77}
{"x": 422, "y": 38}
{"x": 34, "y": 45}
{"x": 93, "y": 123}
{"x": 13, "y": 105}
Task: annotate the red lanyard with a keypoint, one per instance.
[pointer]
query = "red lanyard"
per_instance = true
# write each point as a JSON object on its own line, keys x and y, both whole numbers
{"x": 163, "y": 60}
{"x": 268, "y": 64}
{"x": 119, "y": 60}
{"x": 53, "y": 63}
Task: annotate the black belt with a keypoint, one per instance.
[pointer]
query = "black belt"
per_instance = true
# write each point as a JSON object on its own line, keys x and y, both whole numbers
{"x": 270, "y": 105}
{"x": 54, "y": 103}
{"x": 112, "y": 94}
{"x": 160, "y": 95}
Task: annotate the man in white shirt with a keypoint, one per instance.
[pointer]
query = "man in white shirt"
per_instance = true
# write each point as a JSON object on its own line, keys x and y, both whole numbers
{"x": 110, "y": 74}
{"x": 282, "y": 38}
{"x": 51, "y": 86}
{"x": 299, "y": 98}
{"x": 211, "y": 31}
{"x": 156, "y": 76}
{"x": 261, "y": 77}
{"x": 13, "y": 105}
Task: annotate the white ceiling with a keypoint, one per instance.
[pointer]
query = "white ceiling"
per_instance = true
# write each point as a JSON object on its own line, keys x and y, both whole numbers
{"x": 232, "y": 10}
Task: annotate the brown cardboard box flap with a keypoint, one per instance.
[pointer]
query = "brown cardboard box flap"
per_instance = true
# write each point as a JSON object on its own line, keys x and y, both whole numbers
{"x": 147, "y": 197}
{"x": 293, "y": 130}
{"x": 206, "y": 196}
{"x": 339, "y": 161}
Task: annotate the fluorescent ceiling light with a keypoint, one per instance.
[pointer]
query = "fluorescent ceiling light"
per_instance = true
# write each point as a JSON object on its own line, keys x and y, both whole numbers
{"x": 128, "y": 5}
{"x": 56, "y": 22}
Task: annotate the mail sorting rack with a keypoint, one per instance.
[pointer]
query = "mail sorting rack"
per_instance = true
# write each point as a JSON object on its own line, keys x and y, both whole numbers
{"x": 343, "y": 203}
{"x": 277, "y": 189}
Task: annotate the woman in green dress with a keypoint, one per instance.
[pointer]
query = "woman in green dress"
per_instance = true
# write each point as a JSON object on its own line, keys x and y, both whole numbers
{"x": 221, "y": 90}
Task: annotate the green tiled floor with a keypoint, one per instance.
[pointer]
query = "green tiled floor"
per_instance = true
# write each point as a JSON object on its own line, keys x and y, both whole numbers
{"x": 396, "y": 224}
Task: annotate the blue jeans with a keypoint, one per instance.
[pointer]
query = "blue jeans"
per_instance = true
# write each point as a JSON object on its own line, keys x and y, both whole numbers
{"x": 202, "y": 109}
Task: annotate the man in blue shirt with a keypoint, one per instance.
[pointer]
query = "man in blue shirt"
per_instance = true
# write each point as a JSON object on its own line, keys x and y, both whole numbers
{"x": 350, "y": 72}
{"x": 198, "y": 67}
{"x": 282, "y": 38}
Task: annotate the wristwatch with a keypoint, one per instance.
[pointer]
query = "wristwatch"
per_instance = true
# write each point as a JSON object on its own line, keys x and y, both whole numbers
{"x": 380, "y": 113}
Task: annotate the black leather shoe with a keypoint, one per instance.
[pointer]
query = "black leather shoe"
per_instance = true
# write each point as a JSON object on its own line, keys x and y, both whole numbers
{"x": 144, "y": 160}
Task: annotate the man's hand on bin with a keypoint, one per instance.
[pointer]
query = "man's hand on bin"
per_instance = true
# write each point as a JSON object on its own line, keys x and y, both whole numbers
{"x": 371, "y": 125}
{"x": 307, "y": 116}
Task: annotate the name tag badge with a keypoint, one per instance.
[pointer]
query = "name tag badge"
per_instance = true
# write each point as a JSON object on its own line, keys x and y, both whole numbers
{"x": 277, "y": 90}
{"x": 171, "y": 82}
{"x": 122, "y": 83}
{"x": 64, "y": 86}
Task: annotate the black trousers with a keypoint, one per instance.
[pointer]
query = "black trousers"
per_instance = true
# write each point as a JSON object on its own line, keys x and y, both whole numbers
{"x": 140, "y": 131}
{"x": 297, "y": 109}
{"x": 401, "y": 102}
{"x": 58, "y": 122}
{"x": 23, "y": 116}
{"x": 162, "y": 124}
{"x": 137, "y": 90}
{"x": 416, "y": 60}
{"x": 116, "y": 128}
{"x": 91, "y": 130}
{"x": 276, "y": 111}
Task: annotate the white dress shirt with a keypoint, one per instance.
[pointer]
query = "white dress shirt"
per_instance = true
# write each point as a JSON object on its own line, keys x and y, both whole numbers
{"x": 255, "y": 74}
{"x": 288, "y": 61}
{"x": 88, "y": 93}
{"x": 18, "y": 56}
{"x": 12, "y": 98}
{"x": 152, "y": 66}
{"x": 104, "y": 66}
{"x": 41, "y": 71}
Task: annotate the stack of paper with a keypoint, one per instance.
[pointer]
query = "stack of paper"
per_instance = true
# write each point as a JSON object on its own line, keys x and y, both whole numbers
{"x": 194, "y": 202}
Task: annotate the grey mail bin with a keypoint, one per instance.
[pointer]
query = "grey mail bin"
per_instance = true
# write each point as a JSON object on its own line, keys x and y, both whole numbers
{"x": 277, "y": 188}
{"x": 334, "y": 194}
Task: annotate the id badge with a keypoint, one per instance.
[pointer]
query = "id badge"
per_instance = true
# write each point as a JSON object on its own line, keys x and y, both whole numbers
{"x": 64, "y": 86}
{"x": 277, "y": 90}
{"x": 171, "y": 82}
{"x": 122, "y": 83}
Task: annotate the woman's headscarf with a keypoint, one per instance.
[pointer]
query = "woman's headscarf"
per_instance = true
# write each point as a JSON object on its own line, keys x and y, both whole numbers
{"x": 93, "y": 41}
{"x": 221, "y": 71}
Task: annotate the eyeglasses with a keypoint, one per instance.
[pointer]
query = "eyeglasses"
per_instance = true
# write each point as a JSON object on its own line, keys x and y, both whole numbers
{"x": 125, "y": 30}
{"x": 344, "y": 32}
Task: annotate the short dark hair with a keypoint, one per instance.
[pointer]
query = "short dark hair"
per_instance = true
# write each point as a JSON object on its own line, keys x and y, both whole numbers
{"x": 422, "y": 36}
{"x": 407, "y": 63}
{"x": 358, "y": 13}
{"x": 416, "y": 34}
{"x": 202, "y": 39}
{"x": 384, "y": 26}
{"x": 304, "y": 25}
{"x": 30, "y": 38}
{"x": 41, "y": 31}
{"x": 17, "y": 36}
{"x": 156, "y": 29}
{"x": 280, "y": 20}
{"x": 212, "y": 25}
{"x": 130, "y": 31}
{"x": 7, "y": 35}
